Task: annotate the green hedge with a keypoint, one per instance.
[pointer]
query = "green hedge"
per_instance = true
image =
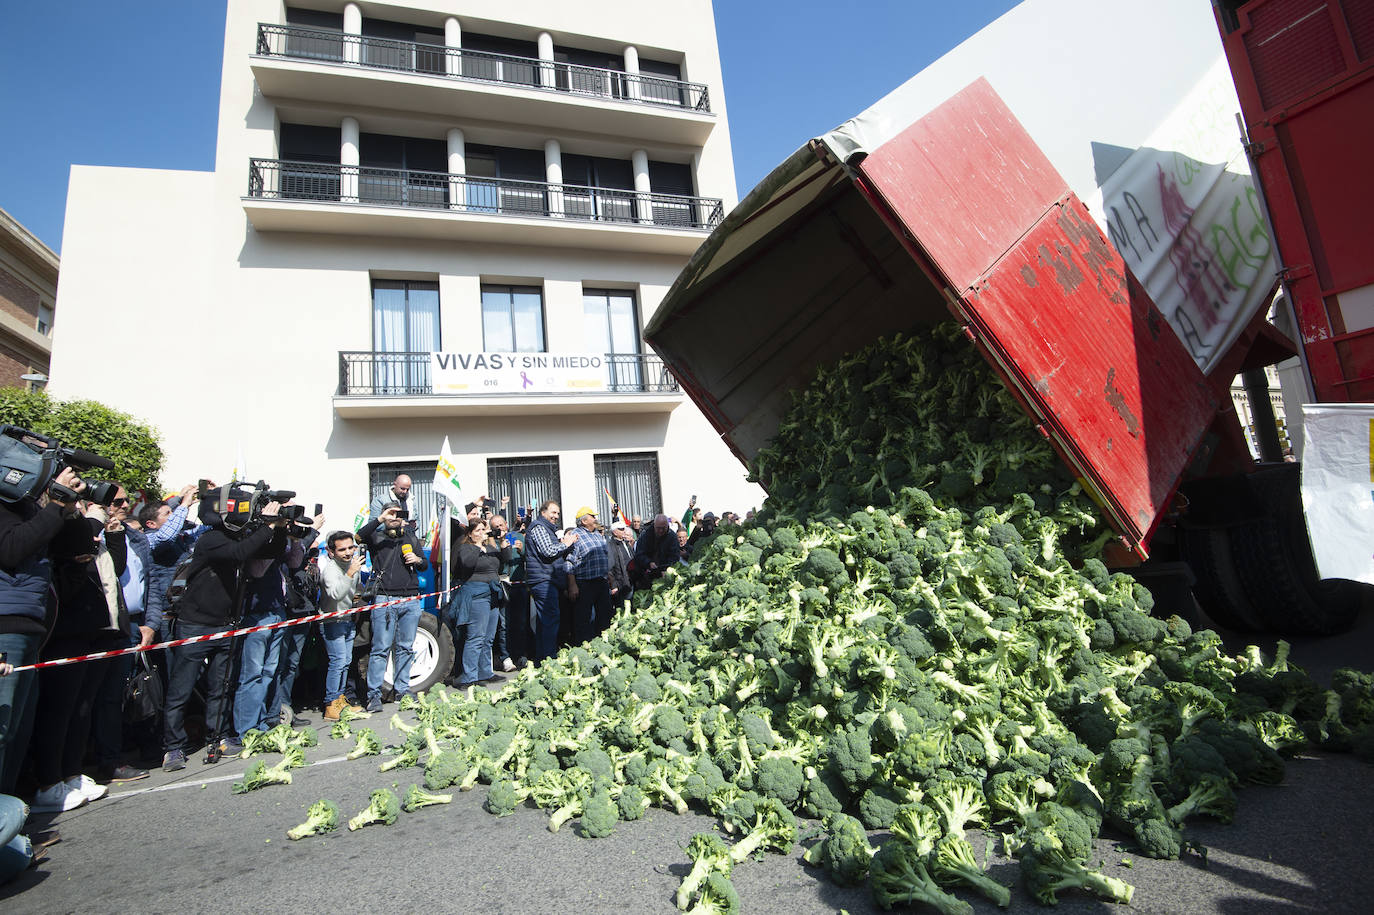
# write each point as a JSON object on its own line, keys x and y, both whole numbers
{"x": 133, "y": 446}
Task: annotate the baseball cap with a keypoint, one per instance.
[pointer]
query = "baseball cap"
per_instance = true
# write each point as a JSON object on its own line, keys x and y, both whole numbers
{"x": 583, "y": 511}
{"x": 619, "y": 526}
{"x": 709, "y": 516}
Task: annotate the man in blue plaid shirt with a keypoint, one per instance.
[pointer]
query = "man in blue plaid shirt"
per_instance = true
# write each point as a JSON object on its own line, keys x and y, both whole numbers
{"x": 590, "y": 588}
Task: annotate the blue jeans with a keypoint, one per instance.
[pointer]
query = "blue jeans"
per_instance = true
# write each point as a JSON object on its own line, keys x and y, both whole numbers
{"x": 393, "y": 632}
{"x": 15, "y": 850}
{"x": 544, "y": 618}
{"x": 338, "y": 647}
{"x": 18, "y": 695}
{"x": 257, "y": 672}
{"x": 292, "y": 641}
{"x": 482, "y": 621}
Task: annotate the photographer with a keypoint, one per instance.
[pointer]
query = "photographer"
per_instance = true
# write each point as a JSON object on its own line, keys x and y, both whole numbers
{"x": 26, "y": 532}
{"x": 265, "y": 594}
{"x": 91, "y": 617}
{"x": 212, "y": 604}
{"x": 302, "y": 599}
{"x": 397, "y": 560}
{"x": 339, "y": 583}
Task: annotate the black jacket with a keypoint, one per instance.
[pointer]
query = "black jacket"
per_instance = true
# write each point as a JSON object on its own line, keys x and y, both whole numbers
{"x": 396, "y": 577}
{"x": 620, "y": 553}
{"x": 213, "y": 594}
{"x": 26, "y": 535}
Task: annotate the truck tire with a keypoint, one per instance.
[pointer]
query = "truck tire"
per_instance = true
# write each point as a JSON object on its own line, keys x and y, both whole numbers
{"x": 433, "y": 660}
{"x": 1218, "y": 589}
{"x": 1277, "y": 566}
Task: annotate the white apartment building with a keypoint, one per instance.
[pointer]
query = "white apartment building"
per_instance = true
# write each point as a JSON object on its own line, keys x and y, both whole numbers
{"x": 393, "y": 181}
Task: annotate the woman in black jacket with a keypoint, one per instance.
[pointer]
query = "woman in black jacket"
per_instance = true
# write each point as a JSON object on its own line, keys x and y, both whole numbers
{"x": 477, "y": 603}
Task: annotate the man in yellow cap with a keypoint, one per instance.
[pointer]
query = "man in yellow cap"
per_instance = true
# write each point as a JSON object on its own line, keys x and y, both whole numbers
{"x": 590, "y": 585}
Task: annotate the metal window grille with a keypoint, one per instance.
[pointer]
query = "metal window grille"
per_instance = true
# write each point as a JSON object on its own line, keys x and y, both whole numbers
{"x": 633, "y": 480}
{"x": 423, "y": 504}
{"x": 527, "y": 481}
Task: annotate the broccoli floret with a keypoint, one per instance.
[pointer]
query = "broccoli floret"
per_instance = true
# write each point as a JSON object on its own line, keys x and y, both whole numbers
{"x": 646, "y": 687}
{"x": 878, "y": 806}
{"x": 773, "y": 827}
{"x": 599, "y": 814}
{"x": 632, "y": 803}
{"x": 717, "y": 897}
{"x": 415, "y": 799}
{"x": 844, "y": 852}
{"x": 322, "y": 817}
{"x": 849, "y": 755}
{"x": 953, "y": 861}
{"x": 384, "y": 808}
{"x": 504, "y": 797}
{"x": 1055, "y": 848}
{"x": 709, "y": 855}
{"x": 899, "y": 877}
{"x": 668, "y": 725}
{"x": 259, "y": 775}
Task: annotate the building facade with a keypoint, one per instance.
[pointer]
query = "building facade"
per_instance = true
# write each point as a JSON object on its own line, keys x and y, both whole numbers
{"x": 393, "y": 181}
{"x": 28, "y": 296}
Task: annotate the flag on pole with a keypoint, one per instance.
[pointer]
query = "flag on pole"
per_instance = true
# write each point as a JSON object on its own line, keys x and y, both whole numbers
{"x": 361, "y": 517}
{"x": 446, "y": 476}
{"x": 446, "y": 485}
{"x": 616, "y": 506}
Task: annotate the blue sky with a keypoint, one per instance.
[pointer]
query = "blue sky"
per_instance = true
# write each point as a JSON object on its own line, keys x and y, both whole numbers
{"x": 137, "y": 83}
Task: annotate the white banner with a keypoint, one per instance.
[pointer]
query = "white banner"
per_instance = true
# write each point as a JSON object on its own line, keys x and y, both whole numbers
{"x": 1183, "y": 212}
{"x": 517, "y": 373}
{"x": 1338, "y": 488}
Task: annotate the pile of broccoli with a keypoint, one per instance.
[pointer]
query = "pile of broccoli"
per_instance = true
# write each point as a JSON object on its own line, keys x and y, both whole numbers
{"x": 917, "y": 636}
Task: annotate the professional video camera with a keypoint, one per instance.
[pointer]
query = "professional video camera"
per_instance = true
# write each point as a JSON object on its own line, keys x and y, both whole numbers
{"x": 30, "y": 462}
{"x": 240, "y": 506}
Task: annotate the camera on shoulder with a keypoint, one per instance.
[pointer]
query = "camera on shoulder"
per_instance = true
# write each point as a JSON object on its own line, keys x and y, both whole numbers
{"x": 30, "y": 463}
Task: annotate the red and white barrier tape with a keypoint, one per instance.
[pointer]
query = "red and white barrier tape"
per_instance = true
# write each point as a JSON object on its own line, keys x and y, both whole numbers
{"x": 227, "y": 634}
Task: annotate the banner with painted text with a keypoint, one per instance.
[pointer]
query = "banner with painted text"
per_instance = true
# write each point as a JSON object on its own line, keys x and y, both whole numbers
{"x": 1183, "y": 212}
{"x": 517, "y": 373}
{"x": 1338, "y": 488}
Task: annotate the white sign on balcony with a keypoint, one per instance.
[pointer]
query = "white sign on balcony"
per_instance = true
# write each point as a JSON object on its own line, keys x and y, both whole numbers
{"x": 517, "y": 373}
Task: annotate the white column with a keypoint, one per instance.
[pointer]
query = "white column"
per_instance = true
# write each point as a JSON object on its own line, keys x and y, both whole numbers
{"x": 353, "y": 25}
{"x": 453, "y": 40}
{"x": 639, "y": 161}
{"x": 553, "y": 174}
{"x": 457, "y": 165}
{"x": 546, "y": 55}
{"x": 348, "y": 158}
{"x": 632, "y": 72}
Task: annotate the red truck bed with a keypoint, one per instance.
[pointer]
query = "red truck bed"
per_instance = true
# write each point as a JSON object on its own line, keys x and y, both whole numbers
{"x": 961, "y": 215}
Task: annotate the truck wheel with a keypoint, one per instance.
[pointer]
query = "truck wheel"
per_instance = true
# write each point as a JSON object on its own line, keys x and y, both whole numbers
{"x": 1277, "y": 565}
{"x": 433, "y": 660}
{"x": 1218, "y": 589}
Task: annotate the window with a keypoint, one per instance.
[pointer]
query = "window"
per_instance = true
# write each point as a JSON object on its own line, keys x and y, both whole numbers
{"x": 402, "y": 46}
{"x": 412, "y": 171}
{"x": 632, "y": 479}
{"x": 489, "y": 57}
{"x": 511, "y": 169}
{"x": 611, "y": 326}
{"x": 405, "y": 330}
{"x": 313, "y": 38}
{"x": 45, "y": 318}
{"x": 676, "y": 179}
{"x": 512, "y": 319}
{"x": 527, "y": 481}
{"x": 422, "y": 504}
{"x": 300, "y": 144}
{"x": 598, "y": 187}
{"x": 659, "y": 82}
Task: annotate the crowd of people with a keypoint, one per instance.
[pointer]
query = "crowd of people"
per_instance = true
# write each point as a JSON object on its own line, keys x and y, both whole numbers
{"x": 77, "y": 578}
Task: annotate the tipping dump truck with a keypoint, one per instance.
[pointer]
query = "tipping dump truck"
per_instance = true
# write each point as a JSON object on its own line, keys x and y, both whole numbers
{"x": 876, "y": 228}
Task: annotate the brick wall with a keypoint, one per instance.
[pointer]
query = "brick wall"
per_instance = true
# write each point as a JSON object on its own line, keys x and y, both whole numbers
{"x": 12, "y": 365}
{"x": 18, "y": 298}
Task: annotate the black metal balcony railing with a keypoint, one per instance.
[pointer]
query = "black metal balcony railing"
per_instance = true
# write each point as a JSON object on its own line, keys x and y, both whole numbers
{"x": 275, "y": 179}
{"x": 455, "y": 63}
{"x": 368, "y": 374}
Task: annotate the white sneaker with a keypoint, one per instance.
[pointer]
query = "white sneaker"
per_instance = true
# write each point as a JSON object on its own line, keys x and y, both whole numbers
{"x": 87, "y": 787}
{"x": 508, "y": 665}
{"x": 57, "y": 799}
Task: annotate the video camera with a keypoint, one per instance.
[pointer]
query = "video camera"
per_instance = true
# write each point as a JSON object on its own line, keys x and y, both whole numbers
{"x": 30, "y": 462}
{"x": 240, "y": 507}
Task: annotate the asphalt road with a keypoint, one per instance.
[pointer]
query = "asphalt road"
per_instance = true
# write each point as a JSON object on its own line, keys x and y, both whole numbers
{"x": 182, "y": 842}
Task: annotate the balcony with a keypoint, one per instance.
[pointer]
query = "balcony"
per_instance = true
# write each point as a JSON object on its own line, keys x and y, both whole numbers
{"x": 360, "y": 200}
{"x": 383, "y": 385}
{"x": 322, "y": 65}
